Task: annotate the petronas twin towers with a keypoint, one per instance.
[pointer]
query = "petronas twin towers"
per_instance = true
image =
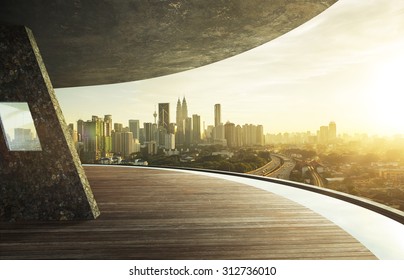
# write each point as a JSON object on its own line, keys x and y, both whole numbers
{"x": 182, "y": 112}
{"x": 182, "y": 115}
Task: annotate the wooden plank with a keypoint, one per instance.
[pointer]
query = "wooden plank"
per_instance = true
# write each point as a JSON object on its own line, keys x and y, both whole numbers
{"x": 160, "y": 214}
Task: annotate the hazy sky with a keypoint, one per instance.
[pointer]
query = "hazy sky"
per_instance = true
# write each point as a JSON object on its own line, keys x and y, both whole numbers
{"x": 346, "y": 65}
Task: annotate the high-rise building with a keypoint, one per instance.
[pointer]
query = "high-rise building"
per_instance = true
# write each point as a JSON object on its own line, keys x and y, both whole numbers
{"x": 182, "y": 115}
{"x": 217, "y": 115}
{"x": 323, "y": 135}
{"x": 127, "y": 144}
{"x": 188, "y": 131}
{"x": 117, "y": 142}
{"x": 249, "y": 135}
{"x": 218, "y": 135}
{"x": 196, "y": 129}
{"x": 209, "y": 133}
{"x": 80, "y": 127}
{"x": 118, "y": 127}
{"x": 164, "y": 115}
{"x": 90, "y": 142}
{"x": 230, "y": 134}
{"x": 332, "y": 132}
{"x": 179, "y": 114}
{"x": 107, "y": 137}
{"x": 108, "y": 125}
{"x": 134, "y": 126}
{"x": 184, "y": 107}
{"x": 239, "y": 136}
{"x": 169, "y": 142}
{"x": 260, "y": 135}
{"x": 148, "y": 131}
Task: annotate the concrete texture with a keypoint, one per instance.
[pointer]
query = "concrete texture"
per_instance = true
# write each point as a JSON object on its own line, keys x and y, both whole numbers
{"x": 38, "y": 185}
{"x": 86, "y": 42}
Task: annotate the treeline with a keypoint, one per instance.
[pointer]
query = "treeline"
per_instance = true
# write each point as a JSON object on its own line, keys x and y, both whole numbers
{"x": 242, "y": 161}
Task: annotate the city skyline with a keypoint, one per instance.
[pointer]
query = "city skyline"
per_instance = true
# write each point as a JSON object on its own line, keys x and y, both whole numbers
{"x": 343, "y": 66}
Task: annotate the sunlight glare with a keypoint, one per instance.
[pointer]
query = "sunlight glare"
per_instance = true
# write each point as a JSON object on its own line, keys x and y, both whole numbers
{"x": 386, "y": 98}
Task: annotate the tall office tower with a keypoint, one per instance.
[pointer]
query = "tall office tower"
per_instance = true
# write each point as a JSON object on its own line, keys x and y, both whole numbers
{"x": 142, "y": 135}
{"x": 172, "y": 128}
{"x": 127, "y": 144}
{"x": 89, "y": 139}
{"x": 179, "y": 113}
{"x": 196, "y": 129}
{"x": 179, "y": 134}
{"x": 188, "y": 132}
{"x": 134, "y": 126}
{"x": 323, "y": 135}
{"x": 100, "y": 136}
{"x": 169, "y": 142}
{"x": 164, "y": 115}
{"x": 107, "y": 137}
{"x": 80, "y": 127}
{"x": 230, "y": 134}
{"x": 260, "y": 135}
{"x": 118, "y": 127}
{"x": 108, "y": 125}
{"x": 332, "y": 132}
{"x": 249, "y": 135}
{"x": 184, "y": 106}
{"x": 239, "y": 136}
{"x": 148, "y": 131}
{"x": 117, "y": 142}
{"x": 218, "y": 135}
{"x": 209, "y": 133}
{"x": 217, "y": 115}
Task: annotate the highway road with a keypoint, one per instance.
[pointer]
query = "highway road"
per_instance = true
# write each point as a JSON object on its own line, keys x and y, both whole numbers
{"x": 279, "y": 167}
{"x": 317, "y": 180}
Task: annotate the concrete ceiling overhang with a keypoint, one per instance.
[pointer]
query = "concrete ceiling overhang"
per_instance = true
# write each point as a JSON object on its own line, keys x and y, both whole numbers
{"x": 88, "y": 42}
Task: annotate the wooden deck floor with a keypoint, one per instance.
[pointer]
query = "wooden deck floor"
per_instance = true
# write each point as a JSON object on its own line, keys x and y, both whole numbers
{"x": 160, "y": 214}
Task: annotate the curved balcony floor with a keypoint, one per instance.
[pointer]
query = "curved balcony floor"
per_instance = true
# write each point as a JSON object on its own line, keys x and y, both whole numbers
{"x": 151, "y": 213}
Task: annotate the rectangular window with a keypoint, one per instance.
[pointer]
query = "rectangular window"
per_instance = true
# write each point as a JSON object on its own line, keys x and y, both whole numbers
{"x": 18, "y": 127}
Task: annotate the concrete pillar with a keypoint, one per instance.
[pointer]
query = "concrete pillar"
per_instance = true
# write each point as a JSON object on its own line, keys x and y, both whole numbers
{"x": 38, "y": 185}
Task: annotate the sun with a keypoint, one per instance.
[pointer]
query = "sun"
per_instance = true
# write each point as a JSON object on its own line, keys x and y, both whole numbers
{"x": 385, "y": 99}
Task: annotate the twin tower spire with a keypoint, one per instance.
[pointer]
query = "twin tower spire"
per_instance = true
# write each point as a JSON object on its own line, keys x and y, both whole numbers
{"x": 182, "y": 111}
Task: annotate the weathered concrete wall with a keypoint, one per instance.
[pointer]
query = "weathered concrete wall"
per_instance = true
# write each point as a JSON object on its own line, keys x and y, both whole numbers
{"x": 40, "y": 185}
{"x": 89, "y": 42}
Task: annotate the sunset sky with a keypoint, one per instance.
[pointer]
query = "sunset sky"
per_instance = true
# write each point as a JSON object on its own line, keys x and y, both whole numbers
{"x": 346, "y": 65}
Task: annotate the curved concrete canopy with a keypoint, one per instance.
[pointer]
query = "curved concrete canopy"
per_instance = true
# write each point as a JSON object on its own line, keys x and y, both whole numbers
{"x": 87, "y": 42}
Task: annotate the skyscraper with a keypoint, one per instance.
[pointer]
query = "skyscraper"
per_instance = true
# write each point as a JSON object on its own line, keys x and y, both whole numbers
{"x": 184, "y": 108}
{"x": 217, "y": 115}
{"x": 107, "y": 137}
{"x": 164, "y": 115}
{"x": 230, "y": 134}
{"x": 118, "y": 127}
{"x": 148, "y": 131}
{"x": 323, "y": 134}
{"x": 179, "y": 114}
{"x": 196, "y": 129}
{"x": 134, "y": 127}
{"x": 332, "y": 132}
{"x": 89, "y": 139}
{"x": 80, "y": 128}
{"x": 108, "y": 125}
{"x": 188, "y": 131}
